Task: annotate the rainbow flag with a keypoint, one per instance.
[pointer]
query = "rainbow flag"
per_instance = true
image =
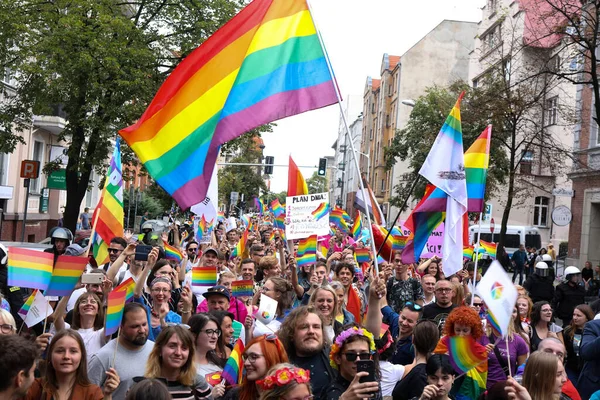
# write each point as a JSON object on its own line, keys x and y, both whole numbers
{"x": 128, "y": 286}
{"x": 172, "y": 253}
{"x": 493, "y": 321}
{"x": 114, "y": 311}
{"x": 240, "y": 247}
{"x": 336, "y": 217}
{"x": 184, "y": 235}
{"x": 477, "y": 161}
{"x": 259, "y": 206}
{"x": 279, "y": 222}
{"x": 108, "y": 216}
{"x": 398, "y": 240}
{"x": 320, "y": 211}
{"x": 29, "y": 268}
{"x": 265, "y": 64}
{"x": 242, "y": 288}
{"x": 220, "y": 216}
{"x": 356, "y": 227}
{"x": 27, "y": 305}
{"x": 379, "y": 235}
{"x": 489, "y": 248}
{"x": 468, "y": 252}
{"x": 362, "y": 255}
{"x": 65, "y": 276}
{"x": 233, "y": 371}
{"x": 307, "y": 251}
{"x": 296, "y": 183}
{"x": 204, "y": 276}
{"x": 276, "y": 208}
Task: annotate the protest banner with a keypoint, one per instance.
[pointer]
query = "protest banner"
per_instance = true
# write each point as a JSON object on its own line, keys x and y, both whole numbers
{"x": 300, "y": 222}
{"x": 434, "y": 243}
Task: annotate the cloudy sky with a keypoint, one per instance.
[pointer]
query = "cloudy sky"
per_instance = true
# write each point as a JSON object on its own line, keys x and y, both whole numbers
{"x": 356, "y": 33}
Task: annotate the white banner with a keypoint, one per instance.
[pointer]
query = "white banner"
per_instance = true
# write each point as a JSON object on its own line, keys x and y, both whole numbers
{"x": 210, "y": 205}
{"x": 300, "y": 222}
{"x": 499, "y": 295}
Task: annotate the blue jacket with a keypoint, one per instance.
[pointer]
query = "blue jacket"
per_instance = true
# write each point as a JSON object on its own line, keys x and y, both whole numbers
{"x": 589, "y": 378}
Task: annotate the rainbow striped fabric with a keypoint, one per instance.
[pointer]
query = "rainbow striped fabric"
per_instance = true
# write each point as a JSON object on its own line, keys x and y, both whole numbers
{"x": 307, "y": 251}
{"x": 29, "y": 268}
{"x": 233, "y": 370}
{"x": 242, "y": 288}
{"x": 357, "y": 226}
{"x": 398, "y": 240}
{"x": 108, "y": 216}
{"x": 204, "y": 276}
{"x": 489, "y": 248}
{"x": 276, "y": 208}
{"x": 204, "y": 226}
{"x": 172, "y": 253}
{"x": 320, "y": 211}
{"x": 27, "y": 305}
{"x": 114, "y": 311}
{"x": 265, "y": 64}
{"x": 260, "y": 207}
{"x": 220, "y": 216}
{"x": 65, "y": 276}
{"x": 127, "y": 286}
{"x": 296, "y": 183}
{"x": 336, "y": 217}
{"x": 470, "y": 358}
{"x": 279, "y": 222}
{"x": 468, "y": 252}
{"x": 362, "y": 255}
{"x": 477, "y": 161}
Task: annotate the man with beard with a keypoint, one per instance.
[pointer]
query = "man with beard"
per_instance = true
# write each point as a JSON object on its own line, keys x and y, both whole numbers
{"x": 132, "y": 351}
{"x": 401, "y": 327}
{"x": 438, "y": 311}
{"x": 303, "y": 336}
{"x": 115, "y": 249}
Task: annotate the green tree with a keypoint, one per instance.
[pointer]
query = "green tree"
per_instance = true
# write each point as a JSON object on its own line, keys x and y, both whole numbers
{"x": 316, "y": 183}
{"x": 146, "y": 203}
{"x": 100, "y": 62}
{"x": 270, "y": 196}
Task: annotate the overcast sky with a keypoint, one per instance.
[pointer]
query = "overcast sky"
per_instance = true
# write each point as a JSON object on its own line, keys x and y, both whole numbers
{"x": 356, "y": 33}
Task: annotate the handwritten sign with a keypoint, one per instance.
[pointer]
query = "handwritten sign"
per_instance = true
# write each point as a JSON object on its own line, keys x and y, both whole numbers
{"x": 300, "y": 223}
{"x": 434, "y": 243}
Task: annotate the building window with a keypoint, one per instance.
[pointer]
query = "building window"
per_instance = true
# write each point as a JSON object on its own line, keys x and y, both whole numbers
{"x": 387, "y": 120}
{"x": 526, "y": 161}
{"x": 8, "y": 76}
{"x": 492, "y": 4}
{"x": 540, "y": 211}
{"x": 383, "y": 186}
{"x": 491, "y": 39}
{"x": 38, "y": 155}
{"x": 475, "y": 83}
{"x": 551, "y": 116}
{"x": 506, "y": 69}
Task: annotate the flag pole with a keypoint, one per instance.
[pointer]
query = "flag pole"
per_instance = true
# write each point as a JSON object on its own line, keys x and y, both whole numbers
{"x": 116, "y": 347}
{"x": 476, "y": 259}
{"x": 346, "y": 126}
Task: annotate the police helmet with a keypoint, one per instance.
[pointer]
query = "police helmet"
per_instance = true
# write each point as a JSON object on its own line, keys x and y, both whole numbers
{"x": 541, "y": 269}
{"x": 61, "y": 233}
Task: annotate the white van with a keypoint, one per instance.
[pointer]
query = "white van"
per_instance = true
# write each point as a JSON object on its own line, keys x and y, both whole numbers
{"x": 515, "y": 235}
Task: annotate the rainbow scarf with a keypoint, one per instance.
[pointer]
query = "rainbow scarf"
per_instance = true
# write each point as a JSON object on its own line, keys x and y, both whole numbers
{"x": 171, "y": 253}
{"x": 320, "y": 211}
{"x": 357, "y": 227}
{"x": 265, "y": 64}
{"x": 489, "y": 248}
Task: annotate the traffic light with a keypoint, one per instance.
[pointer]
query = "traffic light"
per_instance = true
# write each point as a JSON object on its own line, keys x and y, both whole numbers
{"x": 269, "y": 161}
{"x": 322, "y": 166}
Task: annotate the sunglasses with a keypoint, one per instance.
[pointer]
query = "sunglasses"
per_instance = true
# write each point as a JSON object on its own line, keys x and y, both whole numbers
{"x": 193, "y": 249}
{"x": 412, "y": 306}
{"x": 351, "y": 357}
{"x": 114, "y": 250}
{"x": 477, "y": 304}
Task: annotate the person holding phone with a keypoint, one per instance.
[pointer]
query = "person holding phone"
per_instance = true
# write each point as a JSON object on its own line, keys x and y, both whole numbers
{"x": 351, "y": 347}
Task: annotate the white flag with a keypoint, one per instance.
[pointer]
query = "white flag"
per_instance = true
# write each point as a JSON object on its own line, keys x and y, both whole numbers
{"x": 230, "y": 223}
{"x": 499, "y": 295}
{"x": 210, "y": 205}
{"x": 39, "y": 310}
{"x": 267, "y": 310}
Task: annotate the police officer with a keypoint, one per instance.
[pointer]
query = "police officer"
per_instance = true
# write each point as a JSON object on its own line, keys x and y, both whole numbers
{"x": 568, "y": 295}
{"x": 540, "y": 285}
{"x": 60, "y": 238}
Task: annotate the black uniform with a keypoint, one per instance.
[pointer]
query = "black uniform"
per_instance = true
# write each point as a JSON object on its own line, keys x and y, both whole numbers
{"x": 539, "y": 288}
{"x": 566, "y": 297}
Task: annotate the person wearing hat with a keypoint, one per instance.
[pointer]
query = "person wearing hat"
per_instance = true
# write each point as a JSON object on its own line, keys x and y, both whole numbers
{"x": 217, "y": 298}
{"x": 236, "y": 306}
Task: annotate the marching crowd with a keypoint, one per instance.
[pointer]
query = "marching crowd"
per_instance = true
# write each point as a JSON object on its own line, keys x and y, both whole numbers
{"x": 341, "y": 330}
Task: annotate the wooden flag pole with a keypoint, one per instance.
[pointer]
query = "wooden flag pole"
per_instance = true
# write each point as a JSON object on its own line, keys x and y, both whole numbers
{"x": 116, "y": 347}
{"x": 45, "y": 319}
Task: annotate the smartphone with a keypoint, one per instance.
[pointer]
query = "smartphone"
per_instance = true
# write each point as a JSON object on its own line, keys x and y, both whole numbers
{"x": 141, "y": 252}
{"x": 92, "y": 279}
{"x": 366, "y": 366}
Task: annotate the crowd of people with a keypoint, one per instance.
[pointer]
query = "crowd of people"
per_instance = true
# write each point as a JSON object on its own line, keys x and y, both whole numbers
{"x": 341, "y": 330}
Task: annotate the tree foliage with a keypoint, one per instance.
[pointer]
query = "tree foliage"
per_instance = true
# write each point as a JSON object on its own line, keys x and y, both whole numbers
{"x": 267, "y": 198}
{"x": 316, "y": 183}
{"x": 100, "y": 62}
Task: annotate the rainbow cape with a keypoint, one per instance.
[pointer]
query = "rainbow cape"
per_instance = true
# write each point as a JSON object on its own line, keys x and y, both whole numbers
{"x": 296, "y": 183}
{"x": 265, "y": 64}
{"x": 307, "y": 251}
{"x": 204, "y": 276}
{"x": 320, "y": 211}
{"x": 489, "y": 248}
{"x": 362, "y": 255}
{"x": 114, "y": 311}
{"x": 65, "y": 276}
{"x": 357, "y": 227}
{"x": 108, "y": 215}
{"x": 172, "y": 253}
{"x": 29, "y": 268}
{"x": 233, "y": 370}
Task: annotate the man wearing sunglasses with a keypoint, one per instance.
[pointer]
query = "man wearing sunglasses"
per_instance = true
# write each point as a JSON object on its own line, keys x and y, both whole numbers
{"x": 115, "y": 248}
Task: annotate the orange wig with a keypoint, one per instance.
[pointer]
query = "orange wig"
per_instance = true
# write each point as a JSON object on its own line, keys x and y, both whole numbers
{"x": 464, "y": 316}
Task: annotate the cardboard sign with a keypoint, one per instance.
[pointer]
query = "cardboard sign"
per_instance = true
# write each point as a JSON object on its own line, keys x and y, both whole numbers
{"x": 300, "y": 222}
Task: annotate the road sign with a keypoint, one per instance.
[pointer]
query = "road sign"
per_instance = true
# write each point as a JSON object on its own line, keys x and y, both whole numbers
{"x": 562, "y": 216}
{"x": 30, "y": 169}
{"x": 492, "y": 226}
{"x": 44, "y": 200}
{"x": 487, "y": 212}
{"x": 57, "y": 180}
{"x": 234, "y": 196}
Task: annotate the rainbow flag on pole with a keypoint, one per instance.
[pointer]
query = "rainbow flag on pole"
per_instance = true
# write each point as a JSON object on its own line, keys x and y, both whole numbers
{"x": 468, "y": 252}
{"x": 233, "y": 371}
{"x": 321, "y": 211}
{"x": 336, "y": 217}
{"x": 276, "y": 208}
{"x": 27, "y": 305}
{"x": 29, "y": 268}
{"x": 362, "y": 255}
{"x": 296, "y": 183}
{"x": 65, "y": 276}
{"x": 108, "y": 215}
{"x": 265, "y": 64}
{"x": 204, "y": 276}
{"x": 172, "y": 253}
{"x": 242, "y": 288}
{"x": 357, "y": 226}
{"x": 307, "y": 251}
{"x": 489, "y": 248}
{"x": 114, "y": 311}
{"x": 128, "y": 286}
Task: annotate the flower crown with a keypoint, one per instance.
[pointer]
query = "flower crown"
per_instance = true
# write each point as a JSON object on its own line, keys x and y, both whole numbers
{"x": 284, "y": 376}
{"x": 342, "y": 337}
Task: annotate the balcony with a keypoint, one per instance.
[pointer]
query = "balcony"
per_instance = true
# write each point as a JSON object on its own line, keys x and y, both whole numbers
{"x": 54, "y": 123}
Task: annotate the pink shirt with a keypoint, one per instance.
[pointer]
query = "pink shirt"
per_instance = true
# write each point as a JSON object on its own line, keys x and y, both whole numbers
{"x": 236, "y": 307}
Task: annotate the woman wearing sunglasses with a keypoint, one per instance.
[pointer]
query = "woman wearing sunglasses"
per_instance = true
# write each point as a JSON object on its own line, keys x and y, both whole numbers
{"x": 352, "y": 345}
{"x": 260, "y": 355}
{"x": 172, "y": 360}
{"x": 285, "y": 382}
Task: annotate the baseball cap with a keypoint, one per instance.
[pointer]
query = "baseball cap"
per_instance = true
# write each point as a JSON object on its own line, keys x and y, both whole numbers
{"x": 217, "y": 291}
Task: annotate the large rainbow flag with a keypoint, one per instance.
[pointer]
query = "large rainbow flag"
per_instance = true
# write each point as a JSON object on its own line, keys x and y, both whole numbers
{"x": 296, "y": 183}
{"x": 29, "y": 268}
{"x": 65, "y": 275}
{"x": 108, "y": 215}
{"x": 265, "y": 64}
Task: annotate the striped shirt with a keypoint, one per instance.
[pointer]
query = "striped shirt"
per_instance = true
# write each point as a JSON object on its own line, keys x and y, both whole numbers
{"x": 200, "y": 390}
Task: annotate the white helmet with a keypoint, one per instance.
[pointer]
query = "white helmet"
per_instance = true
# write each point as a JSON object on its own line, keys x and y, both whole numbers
{"x": 147, "y": 225}
{"x": 541, "y": 269}
{"x": 571, "y": 270}
{"x": 546, "y": 257}
{"x": 61, "y": 233}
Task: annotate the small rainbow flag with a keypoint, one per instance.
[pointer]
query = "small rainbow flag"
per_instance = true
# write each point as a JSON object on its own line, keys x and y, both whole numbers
{"x": 465, "y": 353}
{"x": 336, "y": 217}
{"x": 321, "y": 211}
{"x": 362, "y": 255}
{"x": 357, "y": 226}
{"x": 489, "y": 248}
{"x": 259, "y": 205}
{"x": 27, "y": 305}
{"x": 307, "y": 251}
{"x": 494, "y": 322}
{"x": 468, "y": 252}
{"x": 204, "y": 276}
{"x": 114, "y": 311}
{"x": 65, "y": 276}
{"x": 128, "y": 286}
{"x": 233, "y": 371}
{"x": 240, "y": 247}
{"x": 242, "y": 288}
{"x": 184, "y": 235}
{"x": 277, "y": 208}
{"x": 296, "y": 183}
{"x": 172, "y": 253}
{"x": 29, "y": 268}
{"x": 220, "y": 216}
{"x": 279, "y": 221}
{"x": 398, "y": 240}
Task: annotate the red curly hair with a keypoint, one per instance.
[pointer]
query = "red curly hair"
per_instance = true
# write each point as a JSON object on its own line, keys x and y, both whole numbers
{"x": 464, "y": 316}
